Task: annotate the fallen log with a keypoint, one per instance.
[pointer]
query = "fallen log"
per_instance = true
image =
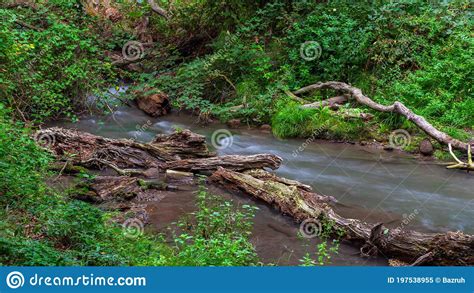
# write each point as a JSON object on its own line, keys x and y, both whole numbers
{"x": 331, "y": 102}
{"x": 82, "y": 148}
{"x": 397, "y": 107}
{"x": 234, "y": 162}
{"x": 180, "y": 151}
{"x": 184, "y": 143}
{"x": 452, "y": 248}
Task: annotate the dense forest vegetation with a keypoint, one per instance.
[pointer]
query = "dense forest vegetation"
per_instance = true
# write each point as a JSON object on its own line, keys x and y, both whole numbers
{"x": 219, "y": 60}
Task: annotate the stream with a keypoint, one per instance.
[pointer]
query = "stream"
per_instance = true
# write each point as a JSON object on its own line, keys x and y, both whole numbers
{"x": 369, "y": 184}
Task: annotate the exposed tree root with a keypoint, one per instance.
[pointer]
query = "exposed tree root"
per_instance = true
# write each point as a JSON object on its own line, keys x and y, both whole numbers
{"x": 397, "y": 107}
{"x": 452, "y": 248}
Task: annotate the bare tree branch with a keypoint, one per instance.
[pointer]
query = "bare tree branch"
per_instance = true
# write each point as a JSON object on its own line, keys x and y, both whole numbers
{"x": 396, "y": 107}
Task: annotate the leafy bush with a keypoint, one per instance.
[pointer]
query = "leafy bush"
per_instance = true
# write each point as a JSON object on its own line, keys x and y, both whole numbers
{"x": 51, "y": 68}
{"x": 216, "y": 235}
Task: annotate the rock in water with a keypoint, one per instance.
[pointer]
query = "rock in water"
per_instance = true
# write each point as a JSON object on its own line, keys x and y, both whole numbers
{"x": 426, "y": 147}
{"x": 154, "y": 105}
{"x": 234, "y": 123}
{"x": 266, "y": 128}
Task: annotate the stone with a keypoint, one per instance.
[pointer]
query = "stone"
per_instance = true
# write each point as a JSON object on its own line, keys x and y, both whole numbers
{"x": 266, "y": 128}
{"x": 155, "y": 105}
{"x": 234, "y": 123}
{"x": 426, "y": 147}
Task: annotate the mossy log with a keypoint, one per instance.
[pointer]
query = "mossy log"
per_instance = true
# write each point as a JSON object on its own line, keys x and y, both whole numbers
{"x": 295, "y": 200}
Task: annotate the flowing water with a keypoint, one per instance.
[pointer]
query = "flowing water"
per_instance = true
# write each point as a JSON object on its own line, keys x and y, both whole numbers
{"x": 369, "y": 184}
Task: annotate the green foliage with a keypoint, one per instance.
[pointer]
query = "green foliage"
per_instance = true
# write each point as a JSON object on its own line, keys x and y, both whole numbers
{"x": 330, "y": 240}
{"x": 39, "y": 227}
{"x": 292, "y": 121}
{"x": 411, "y": 51}
{"x": 217, "y": 234}
{"x": 51, "y": 68}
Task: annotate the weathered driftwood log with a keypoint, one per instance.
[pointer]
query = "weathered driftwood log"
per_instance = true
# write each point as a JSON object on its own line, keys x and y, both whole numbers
{"x": 184, "y": 143}
{"x": 118, "y": 189}
{"x": 397, "y": 107}
{"x": 452, "y": 248}
{"x": 181, "y": 151}
{"x": 110, "y": 188}
{"x": 331, "y": 102}
{"x": 234, "y": 162}
{"x": 82, "y": 148}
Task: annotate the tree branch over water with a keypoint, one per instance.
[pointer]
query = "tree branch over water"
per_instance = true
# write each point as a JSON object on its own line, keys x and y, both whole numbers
{"x": 396, "y": 107}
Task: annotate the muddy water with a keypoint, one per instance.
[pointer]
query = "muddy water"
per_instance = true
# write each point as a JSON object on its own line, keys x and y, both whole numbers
{"x": 370, "y": 184}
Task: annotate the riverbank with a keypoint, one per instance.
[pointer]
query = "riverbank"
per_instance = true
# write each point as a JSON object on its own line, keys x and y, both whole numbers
{"x": 290, "y": 197}
{"x": 342, "y": 170}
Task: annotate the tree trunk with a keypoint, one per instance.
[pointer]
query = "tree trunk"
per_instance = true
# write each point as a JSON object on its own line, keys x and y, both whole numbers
{"x": 180, "y": 151}
{"x": 82, "y": 147}
{"x": 397, "y": 107}
{"x": 452, "y": 248}
{"x": 237, "y": 163}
